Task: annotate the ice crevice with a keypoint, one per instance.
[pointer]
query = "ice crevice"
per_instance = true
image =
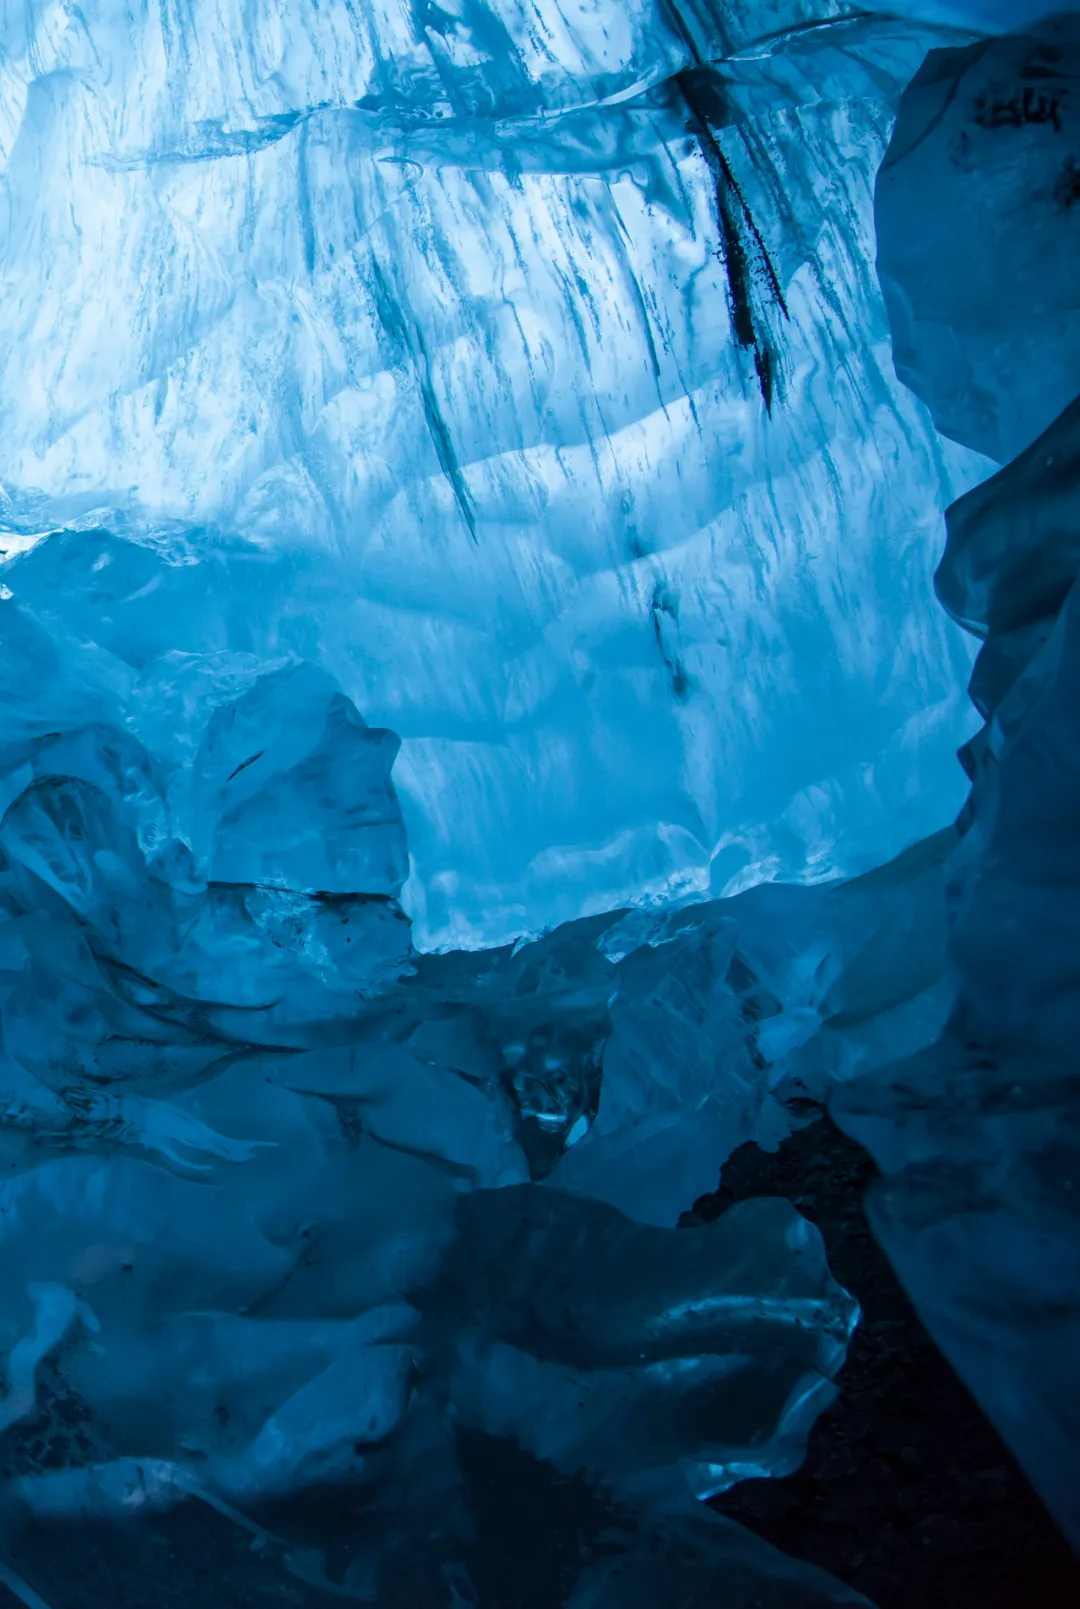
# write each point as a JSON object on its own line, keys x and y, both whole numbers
{"x": 477, "y": 743}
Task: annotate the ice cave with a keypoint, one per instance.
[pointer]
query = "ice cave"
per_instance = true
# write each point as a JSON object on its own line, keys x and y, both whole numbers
{"x": 537, "y": 543}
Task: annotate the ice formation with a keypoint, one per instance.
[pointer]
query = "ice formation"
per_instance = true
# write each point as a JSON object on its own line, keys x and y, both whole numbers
{"x": 453, "y": 324}
{"x": 980, "y": 1133}
{"x": 466, "y": 610}
{"x": 979, "y": 286}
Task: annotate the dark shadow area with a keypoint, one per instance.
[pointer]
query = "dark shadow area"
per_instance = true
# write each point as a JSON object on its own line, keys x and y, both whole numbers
{"x": 907, "y": 1492}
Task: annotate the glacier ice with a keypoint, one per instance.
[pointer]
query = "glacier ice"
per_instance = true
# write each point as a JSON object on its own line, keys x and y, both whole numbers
{"x": 979, "y": 286}
{"x": 979, "y": 1134}
{"x": 475, "y": 742}
{"x": 258, "y": 1146}
{"x": 414, "y": 335}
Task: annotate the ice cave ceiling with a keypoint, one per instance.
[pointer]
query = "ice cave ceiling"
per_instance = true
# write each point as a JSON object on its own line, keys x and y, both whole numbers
{"x": 478, "y": 741}
{"x": 413, "y": 328}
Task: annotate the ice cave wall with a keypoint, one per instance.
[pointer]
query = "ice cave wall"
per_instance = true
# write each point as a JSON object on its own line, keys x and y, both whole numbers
{"x": 431, "y": 317}
{"x": 454, "y": 467}
{"x": 979, "y": 286}
{"x": 979, "y": 1134}
{"x": 176, "y": 647}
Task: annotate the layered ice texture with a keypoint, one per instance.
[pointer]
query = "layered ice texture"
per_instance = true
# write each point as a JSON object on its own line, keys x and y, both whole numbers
{"x": 546, "y": 388}
{"x": 477, "y": 742}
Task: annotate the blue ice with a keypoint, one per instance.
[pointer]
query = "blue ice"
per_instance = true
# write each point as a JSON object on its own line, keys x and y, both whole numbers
{"x": 477, "y": 743}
